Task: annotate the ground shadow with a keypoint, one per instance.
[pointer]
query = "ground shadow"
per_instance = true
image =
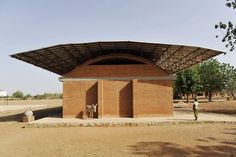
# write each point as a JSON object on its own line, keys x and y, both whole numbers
{"x": 201, "y": 140}
{"x": 186, "y": 120}
{"x": 230, "y": 131}
{"x": 49, "y": 112}
{"x": 216, "y": 111}
{"x": 219, "y": 111}
{"x": 210, "y": 146}
{"x": 80, "y": 114}
{"x": 153, "y": 149}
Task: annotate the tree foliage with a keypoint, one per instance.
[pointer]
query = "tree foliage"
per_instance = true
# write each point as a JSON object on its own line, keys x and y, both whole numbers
{"x": 48, "y": 96}
{"x": 208, "y": 77}
{"x": 18, "y": 94}
{"x": 229, "y": 73}
{"x": 228, "y": 29}
{"x": 187, "y": 82}
{"x": 27, "y": 96}
{"x": 212, "y": 78}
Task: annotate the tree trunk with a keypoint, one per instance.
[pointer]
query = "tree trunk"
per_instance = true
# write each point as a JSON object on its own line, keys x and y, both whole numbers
{"x": 187, "y": 98}
{"x": 232, "y": 94}
{"x": 210, "y": 96}
{"x": 183, "y": 96}
{"x": 206, "y": 94}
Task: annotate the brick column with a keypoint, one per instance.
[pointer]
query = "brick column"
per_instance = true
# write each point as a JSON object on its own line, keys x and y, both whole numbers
{"x": 100, "y": 98}
{"x": 134, "y": 90}
{"x": 63, "y": 101}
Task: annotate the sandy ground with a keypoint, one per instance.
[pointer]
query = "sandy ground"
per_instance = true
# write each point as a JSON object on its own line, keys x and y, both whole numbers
{"x": 166, "y": 140}
{"x": 4, "y": 108}
{"x": 51, "y": 102}
{"x": 219, "y": 107}
{"x": 14, "y": 109}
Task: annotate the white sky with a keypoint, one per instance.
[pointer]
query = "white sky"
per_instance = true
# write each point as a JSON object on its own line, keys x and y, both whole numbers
{"x": 27, "y": 25}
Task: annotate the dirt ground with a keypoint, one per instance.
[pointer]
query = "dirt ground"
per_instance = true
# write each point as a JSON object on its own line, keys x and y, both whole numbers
{"x": 197, "y": 140}
{"x": 221, "y": 107}
{"x": 51, "y": 102}
{"x": 165, "y": 140}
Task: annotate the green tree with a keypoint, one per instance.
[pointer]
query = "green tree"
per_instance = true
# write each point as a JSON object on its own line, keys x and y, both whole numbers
{"x": 229, "y": 76}
{"x": 18, "y": 94}
{"x": 187, "y": 82}
{"x": 228, "y": 29}
{"x": 39, "y": 97}
{"x": 27, "y": 96}
{"x": 212, "y": 78}
{"x": 197, "y": 87}
{"x": 233, "y": 89}
{"x": 52, "y": 95}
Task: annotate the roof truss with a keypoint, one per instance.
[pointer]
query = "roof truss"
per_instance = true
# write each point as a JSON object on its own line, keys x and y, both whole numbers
{"x": 61, "y": 59}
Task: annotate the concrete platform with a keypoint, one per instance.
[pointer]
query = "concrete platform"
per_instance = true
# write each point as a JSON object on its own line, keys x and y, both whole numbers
{"x": 4, "y": 108}
{"x": 178, "y": 118}
{"x": 16, "y": 112}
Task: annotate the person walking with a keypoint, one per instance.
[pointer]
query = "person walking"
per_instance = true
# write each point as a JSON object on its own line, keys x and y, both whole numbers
{"x": 195, "y": 108}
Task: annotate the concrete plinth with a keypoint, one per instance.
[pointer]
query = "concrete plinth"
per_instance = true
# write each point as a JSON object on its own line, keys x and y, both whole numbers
{"x": 180, "y": 118}
{"x": 28, "y": 118}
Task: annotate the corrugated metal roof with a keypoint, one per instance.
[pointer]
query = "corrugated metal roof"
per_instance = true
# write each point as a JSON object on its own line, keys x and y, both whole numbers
{"x": 61, "y": 59}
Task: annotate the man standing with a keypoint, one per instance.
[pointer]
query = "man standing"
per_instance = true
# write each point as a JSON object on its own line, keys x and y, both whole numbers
{"x": 195, "y": 108}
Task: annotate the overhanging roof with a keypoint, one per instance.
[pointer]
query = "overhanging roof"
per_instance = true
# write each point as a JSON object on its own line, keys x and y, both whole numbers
{"x": 62, "y": 58}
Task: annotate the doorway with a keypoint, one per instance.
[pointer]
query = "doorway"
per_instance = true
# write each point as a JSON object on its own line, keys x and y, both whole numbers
{"x": 117, "y": 98}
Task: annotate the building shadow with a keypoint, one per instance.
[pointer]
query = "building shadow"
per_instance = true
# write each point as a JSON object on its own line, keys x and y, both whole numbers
{"x": 157, "y": 82}
{"x": 125, "y": 101}
{"x": 91, "y": 98}
{"x": 49, "y": 112}
{"x": 181, "y": 120}
{"x": 80, "y": 114}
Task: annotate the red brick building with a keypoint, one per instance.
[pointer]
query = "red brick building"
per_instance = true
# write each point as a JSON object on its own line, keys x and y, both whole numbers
{"x": 125, "y": 79}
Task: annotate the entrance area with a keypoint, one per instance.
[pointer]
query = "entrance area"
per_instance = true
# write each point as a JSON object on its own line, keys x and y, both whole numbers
{"x": 91, "y": 98}
{"x": 117, "y": 98}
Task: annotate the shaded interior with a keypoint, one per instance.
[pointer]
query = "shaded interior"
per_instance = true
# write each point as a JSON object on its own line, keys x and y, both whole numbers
{"x": 116, "y": 61}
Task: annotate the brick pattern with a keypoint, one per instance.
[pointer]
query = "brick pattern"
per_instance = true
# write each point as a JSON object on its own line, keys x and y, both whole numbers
{"x": 136, "y": 70}
{"x": 76, "y": 95}
{"x": 131, "y": 98}
{"x": 117, "y": 98}
{"x": 152, "y": 98}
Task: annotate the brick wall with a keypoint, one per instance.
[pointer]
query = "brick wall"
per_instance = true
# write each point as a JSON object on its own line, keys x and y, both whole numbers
{"x": 138, "y": 98}
{"x": 116, "y": 71}
{"x": 76, "y": 95}
{"x": 117, "y": 98}
{"x": 152, "y": 98}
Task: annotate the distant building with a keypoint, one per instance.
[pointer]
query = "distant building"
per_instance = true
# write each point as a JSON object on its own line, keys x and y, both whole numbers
{"x": 125, "y": 79}
{"x": 3, "y": 93}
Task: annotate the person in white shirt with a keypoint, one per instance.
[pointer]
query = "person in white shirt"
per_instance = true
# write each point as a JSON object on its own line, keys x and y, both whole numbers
{"x": 195, "y": 108}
